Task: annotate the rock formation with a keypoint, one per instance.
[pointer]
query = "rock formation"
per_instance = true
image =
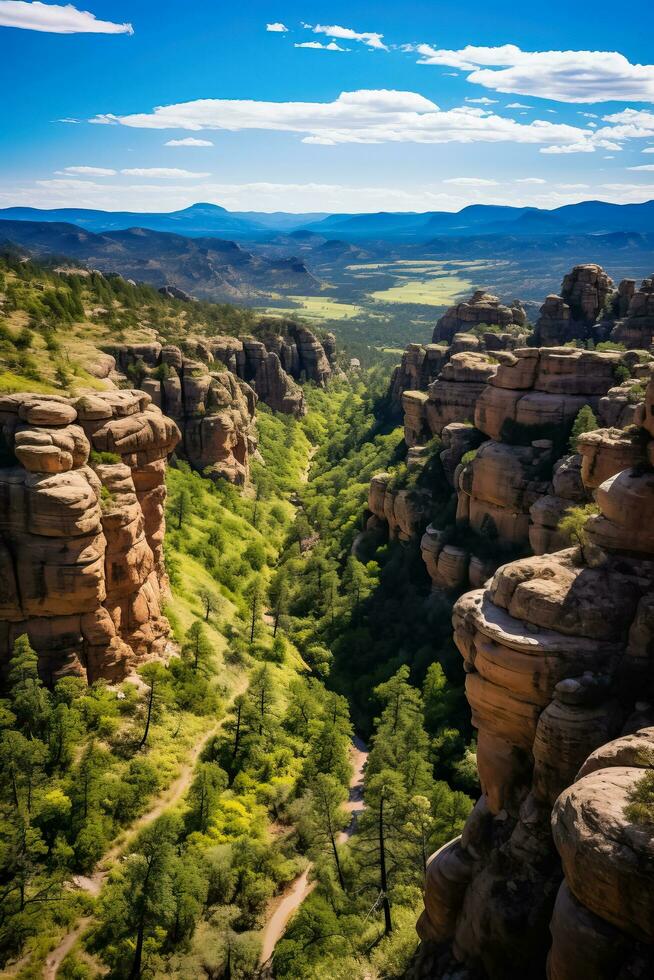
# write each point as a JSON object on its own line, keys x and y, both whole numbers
{"x": 213, "y": 409}
{"x": 585, "y": 297}
{"x": 636, "y": 328}
{"x": 558, "y": 653}
{"x": 481, "y": 309}
{"x": 81, "y": 539}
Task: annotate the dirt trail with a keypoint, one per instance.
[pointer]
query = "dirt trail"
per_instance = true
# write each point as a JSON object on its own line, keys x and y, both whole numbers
{"x": 285, "y": 905}
{"x": 94, "y": 882}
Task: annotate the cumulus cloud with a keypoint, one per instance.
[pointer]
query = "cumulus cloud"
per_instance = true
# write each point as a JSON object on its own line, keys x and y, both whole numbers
{"x": 643, "y": 166}
{"x": 530, "y": 180}
{"x": 370, "y": 38}
{"x": 471, "y": 182}
{"x": 481, "y": 101}
{"x": 364, "y": 116}
{"x": 51, "y": 18}
{"x": 88, "y": 171}
{"x": 518, "y": 105}
{"x": 563, "y": 76}
{"x": 189, "y": 141}
{"x": 318, "y": 45}
{"x": 277, "y": 28}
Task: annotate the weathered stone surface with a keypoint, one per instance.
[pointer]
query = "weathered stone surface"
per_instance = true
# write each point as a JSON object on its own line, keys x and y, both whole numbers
{"x": 481, "y": 308}
{"x": 585, "y": 293}
{"x": 606, "y": 452}
{"x": 80, "y": 546}
{"x": 607, "y": 860}
{"x": 636, "y": 329}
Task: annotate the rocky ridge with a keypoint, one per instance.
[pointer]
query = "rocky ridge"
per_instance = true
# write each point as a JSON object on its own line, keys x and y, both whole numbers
{"x": 82, "y": 487}
{"x": 550, "y": 876}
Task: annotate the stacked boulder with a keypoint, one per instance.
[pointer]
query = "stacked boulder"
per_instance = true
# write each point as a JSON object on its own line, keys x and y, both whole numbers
{"x": 82, "y": 491}
{"x": 451, "y": 397}
{"x": 636, "y": 328}
{"x": 585, "y": 297}
{"x": 558, "y": 653}
{"x": 214, "y": 409}
{"x": 482, "y": 309}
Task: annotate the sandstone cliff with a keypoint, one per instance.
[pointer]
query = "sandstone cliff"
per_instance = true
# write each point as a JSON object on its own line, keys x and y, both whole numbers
{"x": 214, "y": 409}
{"x": 559, "y": 675}
{"x": 81, "y": 533}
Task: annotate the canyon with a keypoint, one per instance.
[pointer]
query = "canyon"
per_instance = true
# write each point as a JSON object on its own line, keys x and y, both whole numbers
{"x": 524, "y": 483}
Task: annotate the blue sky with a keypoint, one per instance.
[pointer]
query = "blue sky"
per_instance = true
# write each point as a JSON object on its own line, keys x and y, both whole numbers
{"x": 325, "y": 106}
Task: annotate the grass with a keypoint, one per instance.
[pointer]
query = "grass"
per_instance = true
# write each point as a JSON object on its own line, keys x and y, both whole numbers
{"x": 432, "y": 291}
{"x": 316, "y": 308}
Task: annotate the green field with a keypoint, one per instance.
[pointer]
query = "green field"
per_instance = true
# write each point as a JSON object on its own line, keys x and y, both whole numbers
{"x": 432, "y": 291}
{"x": 315, "y": 308}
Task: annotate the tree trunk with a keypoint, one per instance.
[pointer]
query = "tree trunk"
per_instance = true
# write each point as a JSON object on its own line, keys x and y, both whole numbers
{"x": 147, "y": 722}
{"x": 383, "y": 880}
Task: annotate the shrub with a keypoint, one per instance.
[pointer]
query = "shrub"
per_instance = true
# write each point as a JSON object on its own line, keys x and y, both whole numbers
{"x": 640, "y": 808}
{"x": 584, "y": 422}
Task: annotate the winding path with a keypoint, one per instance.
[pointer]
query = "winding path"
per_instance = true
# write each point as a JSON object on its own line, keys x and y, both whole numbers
{"x": 94, "y": 882}
{"x": 285, "y": 905}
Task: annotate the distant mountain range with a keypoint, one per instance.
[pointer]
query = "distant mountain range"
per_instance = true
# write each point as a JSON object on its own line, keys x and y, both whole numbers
{"x": 210, "y": 220}
{"x": 198, "y": 221}
{"x": 208, "y": 268}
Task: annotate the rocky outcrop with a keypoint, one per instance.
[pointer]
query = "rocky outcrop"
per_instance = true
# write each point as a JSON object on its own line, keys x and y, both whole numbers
{"x": 405, "y": 511}
{"x": 586, "y": 295}
{"x": 559, "y": 664}
{"x": 636, "y": 328}
{"x": 481, "y": 309}
{"x": 450, "y": 398}
{"x": 301, "y": 354}
{"x": 213, "y": 408}
{"x": 421, "y": 364}
{"x": 81, "y": 539}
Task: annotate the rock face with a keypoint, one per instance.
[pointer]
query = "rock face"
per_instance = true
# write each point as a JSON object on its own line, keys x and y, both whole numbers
{"x": 213, "y": 408}
{"x": 81, "y": 542}
{"x": 636, "y": 329}
{"x": 585, "y": 295}
{"x": 559, "y": 657}
{"x": 481, "y": 308}
{"x": 301, "y": 354}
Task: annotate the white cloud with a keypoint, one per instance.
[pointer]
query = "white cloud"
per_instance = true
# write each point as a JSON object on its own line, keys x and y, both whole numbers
{"x": 369, "y": 38}
{"x": 164, "y": 172}
{"x": 530, "y": 180}
{"x": 69, "y": 120}
{"x": 277, "y": 28}
{"x": 365, "y": 116}
{"x": 573, "y": 187}
{"x": 54, "y": 19}
{"x": 563, "y": 76}
{"x": 318, "y": 45}
{"x": 569, "y": 148}
{"x": 482, "y": 101}
{"x": 319, "y": 141}
{"x": 592, "y": 125}
{"x": 648, "y": 149}
{"x": 589, "y": 115}
{"x": 189, "y": 141}
{"x": 88, "y": 171}
{"x": 643, "y": 166}
{"x": 518, "y": 105}
{"x": 471, "y": 182}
